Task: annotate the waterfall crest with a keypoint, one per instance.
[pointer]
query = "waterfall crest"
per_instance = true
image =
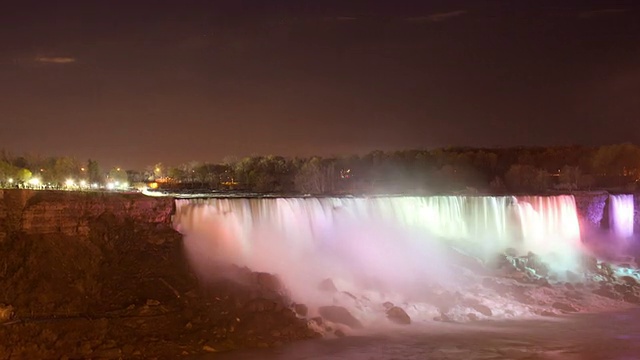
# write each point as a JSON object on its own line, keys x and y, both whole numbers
{"x": 377, "y": 236}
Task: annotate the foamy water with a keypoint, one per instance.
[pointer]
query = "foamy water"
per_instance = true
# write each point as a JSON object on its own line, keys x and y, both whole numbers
{"x": 611, "y": 336}
{"x": 398, "y": 249}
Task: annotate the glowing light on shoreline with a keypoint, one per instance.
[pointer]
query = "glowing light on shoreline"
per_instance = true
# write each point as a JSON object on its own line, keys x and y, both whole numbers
{"x": 34, "y": 181}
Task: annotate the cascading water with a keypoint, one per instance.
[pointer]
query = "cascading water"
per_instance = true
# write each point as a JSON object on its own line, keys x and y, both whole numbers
{"x": 550, "y": 227}
{"x": 399, "y": 245}
{"x": 621, "y": 213}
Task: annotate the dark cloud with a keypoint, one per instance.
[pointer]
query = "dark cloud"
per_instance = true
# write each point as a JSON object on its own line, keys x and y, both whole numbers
{"x": 56, "y": 59}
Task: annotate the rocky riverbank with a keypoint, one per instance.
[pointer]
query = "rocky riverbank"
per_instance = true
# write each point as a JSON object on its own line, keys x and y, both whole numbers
{"x": 95, "y": 275}
{"x": 104, "y": 275}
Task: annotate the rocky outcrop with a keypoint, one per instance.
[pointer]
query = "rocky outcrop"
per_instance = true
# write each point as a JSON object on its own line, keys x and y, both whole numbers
{"x": 103, "y": 275}
{"x": 591, "y": 207}
{"x": 398, "y": 316}
{"x": 339, "y": 315}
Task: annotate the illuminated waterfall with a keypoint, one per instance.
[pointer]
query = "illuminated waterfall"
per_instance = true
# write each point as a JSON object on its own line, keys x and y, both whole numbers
{"x": 269, "y": 234}
{"x": 621, "y": 212}
{"x": 550, "y": 226}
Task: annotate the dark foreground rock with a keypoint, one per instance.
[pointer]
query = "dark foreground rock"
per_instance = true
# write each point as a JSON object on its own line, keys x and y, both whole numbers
{"x": 398, "y": 316}
{"x": 339, "y": 315}
{"x": 93, "y": 275}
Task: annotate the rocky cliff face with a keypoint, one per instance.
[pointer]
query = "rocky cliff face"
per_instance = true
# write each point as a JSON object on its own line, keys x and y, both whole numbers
{"x": 103, "y": 275}
{"x": 593, "y": 209}
{"x": 70, "y": 213}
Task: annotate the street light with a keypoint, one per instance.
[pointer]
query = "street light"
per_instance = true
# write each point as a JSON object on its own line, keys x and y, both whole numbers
{"x": 10, "y": 181}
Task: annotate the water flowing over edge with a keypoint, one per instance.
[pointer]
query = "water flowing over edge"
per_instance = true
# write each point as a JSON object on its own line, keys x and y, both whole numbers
{"x": 385, "y": 248}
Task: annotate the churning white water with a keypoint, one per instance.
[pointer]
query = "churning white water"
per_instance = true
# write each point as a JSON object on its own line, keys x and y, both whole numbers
{"x": 391, "y": 245}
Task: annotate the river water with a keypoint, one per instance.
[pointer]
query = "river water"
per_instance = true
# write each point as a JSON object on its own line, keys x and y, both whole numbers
{"x": 614, "y": 336}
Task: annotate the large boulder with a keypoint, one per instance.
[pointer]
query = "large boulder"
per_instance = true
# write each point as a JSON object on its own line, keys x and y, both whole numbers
{"x": 398, "y": 316}
{"x": 477, "y": 306}
{"x": 339, "y": 315}
{"x": 328, "y": 286}
{"x": 564, "y": 307}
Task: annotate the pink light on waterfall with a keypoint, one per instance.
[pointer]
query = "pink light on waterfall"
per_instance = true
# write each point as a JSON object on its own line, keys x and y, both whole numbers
{"x": 621, "y": 213}
{"x": 550, "y": 228}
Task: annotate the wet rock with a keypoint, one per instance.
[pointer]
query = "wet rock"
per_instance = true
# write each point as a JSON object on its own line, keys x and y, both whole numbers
{"x": 590, "y": 263}
{"x": 398, "y": 316}
{"x": 349, "y": 295}
{"x": 564, "y": 307}
{"x": 268, "y": 282}
{"x": 301, "y": 309}
{"x": 607, "y": 292}
{"x": 543, "y": 282}
{"x": 327, "y": 285}
{"x": 483, "y": 309}
{"x": 534, "y": 262}
{"x": 339, "y": 333}
{"x": 443, "y": 318}
{"x": 569, "y": 286}
{"x": 6, "y": 313}
{"x": 477, "y": 306}
{"x": 339, "y": 315}
{"x": 523, "y": 298}
{"x": 387, "y": 305}
{"x": 629, "y": 280}
{"x": 260, "y": 304}
{"x": 622, "y": 288}
{"x": 472, "y": 317}
{"x": 490, "y": 283}
{"x": 511, "y": 252}
{"x": 631, "y": 298}
{"x": 152, "y": 302}
{"x": 575, "y": 295}
{"x": 317, "y": 320}
{"x": 606, "y": 271}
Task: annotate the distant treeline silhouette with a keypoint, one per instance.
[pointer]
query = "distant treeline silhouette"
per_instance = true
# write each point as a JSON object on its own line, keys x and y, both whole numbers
{"x": 487, "y": 170}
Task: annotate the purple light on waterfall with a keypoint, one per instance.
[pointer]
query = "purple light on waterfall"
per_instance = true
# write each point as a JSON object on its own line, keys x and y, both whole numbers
{"x": 621, "y": 210}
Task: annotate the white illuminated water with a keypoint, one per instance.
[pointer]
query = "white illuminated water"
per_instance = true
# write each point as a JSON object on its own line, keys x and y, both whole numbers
{"x": 399, "y": 244}
{"x": 392, "y": 248}
{"x": 621, "y": 213}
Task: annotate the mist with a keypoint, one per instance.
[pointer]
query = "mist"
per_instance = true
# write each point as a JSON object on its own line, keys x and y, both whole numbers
{"x": 407, "y": 250}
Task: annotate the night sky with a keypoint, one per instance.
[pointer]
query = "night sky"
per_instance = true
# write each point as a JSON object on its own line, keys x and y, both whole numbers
{"x": 137, "y": 82}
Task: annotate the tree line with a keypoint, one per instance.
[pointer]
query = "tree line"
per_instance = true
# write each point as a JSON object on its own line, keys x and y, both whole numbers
{"x": 445, "y": 170}
{"x": 493, "y": 170}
